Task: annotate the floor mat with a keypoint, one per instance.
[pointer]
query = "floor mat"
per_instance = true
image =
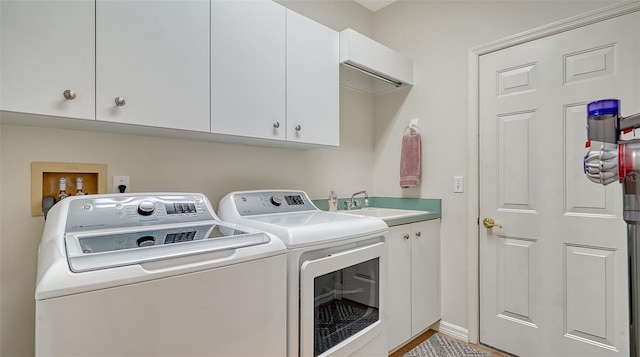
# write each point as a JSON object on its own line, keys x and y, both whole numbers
{"x": 440, "y": 346}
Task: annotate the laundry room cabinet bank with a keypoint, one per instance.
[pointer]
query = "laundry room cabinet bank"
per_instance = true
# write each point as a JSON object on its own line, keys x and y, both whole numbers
{"x": 253, "y": 92}
{"x": 413, "y": 301}
{"x": 221, "y": 70}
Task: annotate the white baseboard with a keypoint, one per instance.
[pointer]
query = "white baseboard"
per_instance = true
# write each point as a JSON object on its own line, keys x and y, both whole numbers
{"x": 452, "y": 330}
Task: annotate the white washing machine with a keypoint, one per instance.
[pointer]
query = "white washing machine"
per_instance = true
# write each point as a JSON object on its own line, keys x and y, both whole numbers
{"x": 157, "y": 274}
{"x": 336, "y": 271}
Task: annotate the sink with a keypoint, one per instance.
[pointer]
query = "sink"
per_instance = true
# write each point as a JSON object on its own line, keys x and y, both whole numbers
{"x": 385, "y": 213}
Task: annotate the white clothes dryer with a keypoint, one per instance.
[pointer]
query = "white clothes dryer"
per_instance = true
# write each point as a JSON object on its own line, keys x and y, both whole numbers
{"x": 157, "y": 274}
{"x": 336, "y": 282}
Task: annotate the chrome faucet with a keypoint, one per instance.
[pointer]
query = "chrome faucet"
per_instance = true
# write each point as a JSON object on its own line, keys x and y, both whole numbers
{"x": 353, "y": 204}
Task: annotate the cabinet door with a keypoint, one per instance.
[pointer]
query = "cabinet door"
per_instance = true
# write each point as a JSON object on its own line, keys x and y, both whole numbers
{"x": 312, "y": 82}
{"x": 398, "y": 285}
{"x": 248, "y": 69}
{"x": 48, "y": 47}
{"x": 155, "y": 56}
{"x": 425, "y": 275}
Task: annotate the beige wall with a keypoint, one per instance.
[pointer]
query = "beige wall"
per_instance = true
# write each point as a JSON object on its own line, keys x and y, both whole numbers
{"x": 336, "y": 14}
{"x": 438, "y": 35}
{"x": 160, "y": 164}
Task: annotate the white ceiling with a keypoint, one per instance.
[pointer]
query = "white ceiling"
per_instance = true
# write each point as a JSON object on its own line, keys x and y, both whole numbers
{"x": 375, "y": 5}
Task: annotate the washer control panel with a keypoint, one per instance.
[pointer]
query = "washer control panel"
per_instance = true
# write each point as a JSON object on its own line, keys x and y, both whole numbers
{"x": 117, "y": 211}
{"x": 264, "y": 202}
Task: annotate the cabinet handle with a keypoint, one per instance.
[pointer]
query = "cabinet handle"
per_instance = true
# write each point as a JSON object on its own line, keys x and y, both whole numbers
{"x": 276, "y": 125}
{"x": 69, "y": 94}
{"x": 406, "y": 236}
{"x": 418, "y": 234}
{"x": 120, "y": 101}
{"x": 298, "y": 127}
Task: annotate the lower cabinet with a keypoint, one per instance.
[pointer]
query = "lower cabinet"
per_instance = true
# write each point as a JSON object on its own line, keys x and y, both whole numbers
{"x": 413, "y": 276}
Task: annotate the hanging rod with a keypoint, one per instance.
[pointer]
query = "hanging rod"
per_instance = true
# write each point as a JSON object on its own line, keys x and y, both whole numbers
{"x": 397, "y": 84}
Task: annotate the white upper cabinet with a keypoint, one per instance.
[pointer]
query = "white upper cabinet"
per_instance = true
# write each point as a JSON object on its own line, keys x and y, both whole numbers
{"x": 370, "y": 66}
{"x": 313, "y": 113}
{"x": 152, "y": 63}
{"x": 237, "y": 69}
{"x": 274, "y": 74}
{"x": 248, "y": 69}
{"x": 48, "y": 50}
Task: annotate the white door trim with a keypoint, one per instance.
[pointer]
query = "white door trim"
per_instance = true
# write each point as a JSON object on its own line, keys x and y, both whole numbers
{"x": 473, "y": 208}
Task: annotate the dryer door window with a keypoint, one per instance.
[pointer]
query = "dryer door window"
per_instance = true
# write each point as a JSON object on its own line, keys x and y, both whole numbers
{"x": 340, "y": 300}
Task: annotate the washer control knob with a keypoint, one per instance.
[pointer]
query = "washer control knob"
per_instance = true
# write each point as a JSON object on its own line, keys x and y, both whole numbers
{"x": 276, "y": 201}
{"x": 146, "y": 208}
{"x": 146, "y": 241}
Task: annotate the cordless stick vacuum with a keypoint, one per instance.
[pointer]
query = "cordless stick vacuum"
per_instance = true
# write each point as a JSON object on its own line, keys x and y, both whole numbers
{"x": 619, "y": 160}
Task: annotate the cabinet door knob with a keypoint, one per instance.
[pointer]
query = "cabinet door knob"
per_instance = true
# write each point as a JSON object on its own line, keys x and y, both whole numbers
{"x": 298, "y": 127}
{"x": 120, "y": 101}
{"x": 418, "y": 234}
{"x": 69, "y": 94}
{"x": 406, "y": 236}
{"x": 276, "y": 125}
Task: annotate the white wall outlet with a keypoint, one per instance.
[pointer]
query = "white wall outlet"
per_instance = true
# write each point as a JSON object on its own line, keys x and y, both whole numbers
{"x": 121, "y": 180}
{"x": 458, "y": 184}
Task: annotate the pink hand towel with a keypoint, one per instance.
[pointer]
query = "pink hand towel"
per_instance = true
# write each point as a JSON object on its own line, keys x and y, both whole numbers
{"x": 410, "y": 160}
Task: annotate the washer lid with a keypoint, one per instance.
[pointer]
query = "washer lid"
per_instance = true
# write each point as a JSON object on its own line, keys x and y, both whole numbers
{"x": 315, "y": 227}
{"x": 101, "y": 250}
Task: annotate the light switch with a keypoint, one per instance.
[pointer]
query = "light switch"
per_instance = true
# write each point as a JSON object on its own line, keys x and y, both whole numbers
{"x": 458, "y": 184}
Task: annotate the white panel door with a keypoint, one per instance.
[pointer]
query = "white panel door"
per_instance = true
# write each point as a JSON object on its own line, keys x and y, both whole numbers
{"x": 155, "y": 56}
{"x": 313, "y": 84}
{"x": 553, "y": 279}
{"x": 248, "y": 69}
{"x": 48, "y": 47}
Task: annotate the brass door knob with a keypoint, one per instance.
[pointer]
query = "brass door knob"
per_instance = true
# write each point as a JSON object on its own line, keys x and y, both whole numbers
{"x": 489, "y": 223}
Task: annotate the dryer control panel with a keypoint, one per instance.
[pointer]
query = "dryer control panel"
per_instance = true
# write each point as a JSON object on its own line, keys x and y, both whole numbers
{"x": 249, "y": 203}
{"x": 118, "y": 211}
